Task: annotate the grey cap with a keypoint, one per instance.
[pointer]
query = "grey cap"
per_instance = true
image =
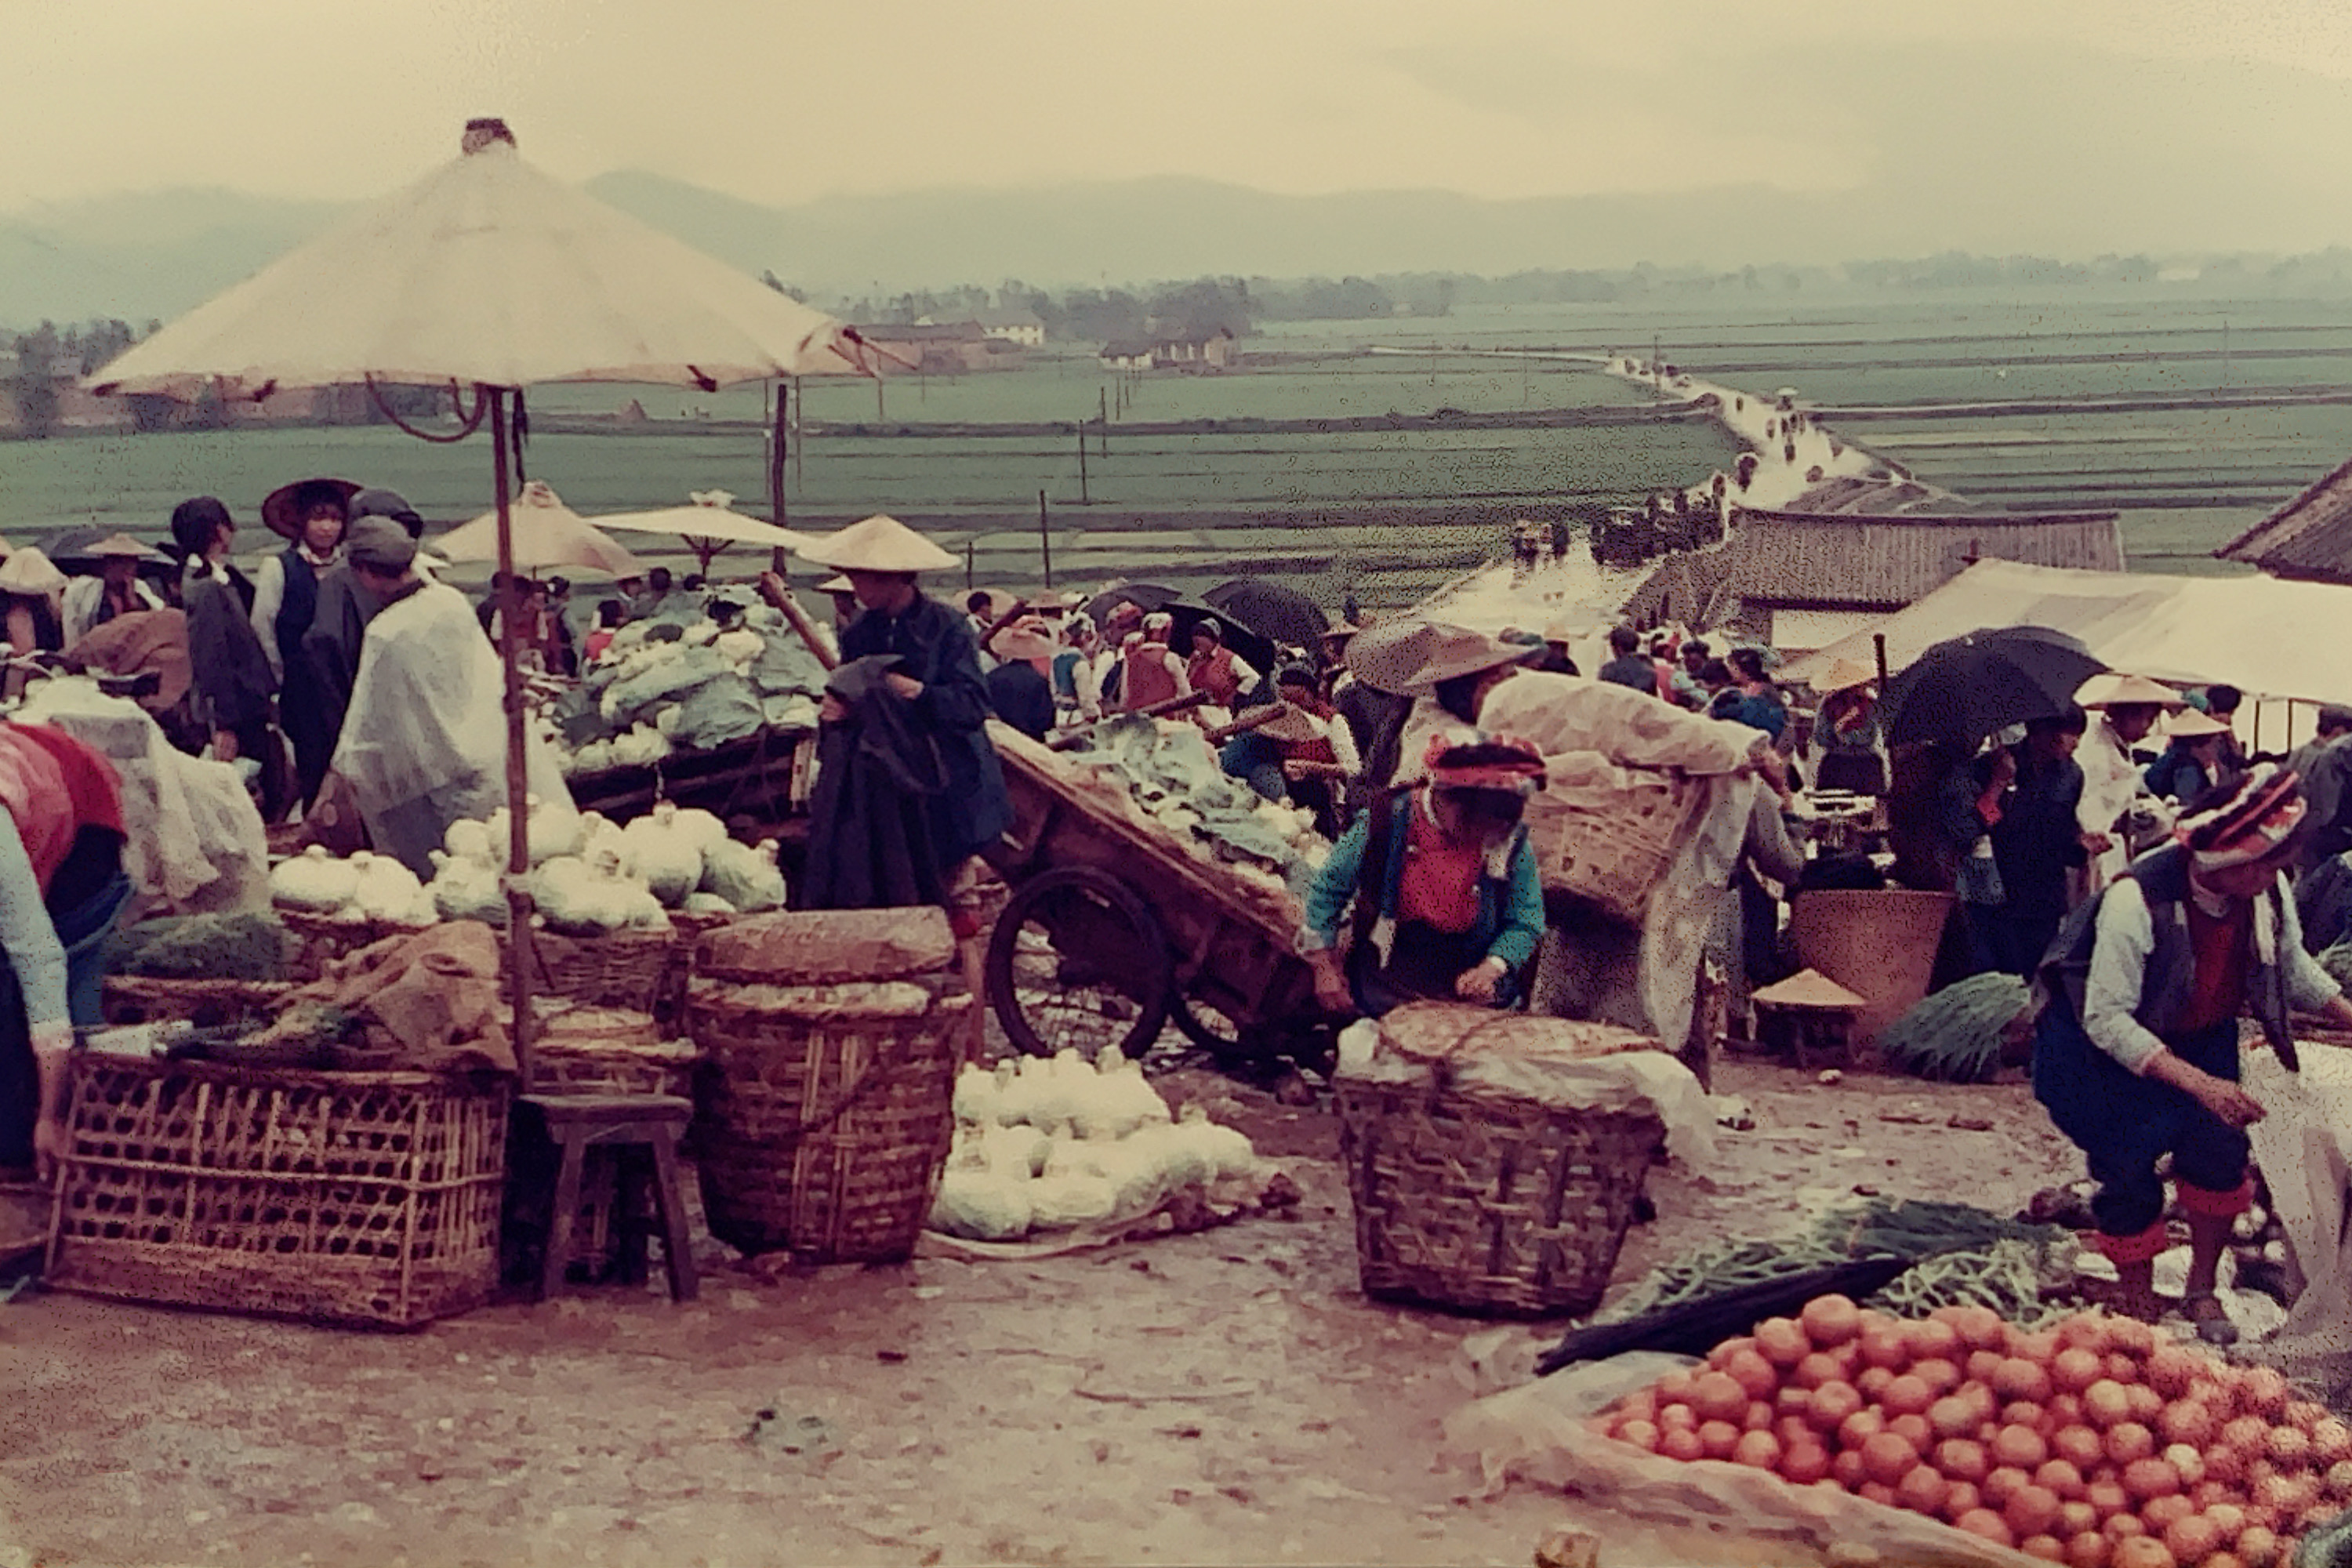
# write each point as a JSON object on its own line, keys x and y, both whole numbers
{"x": 380, "y": 544}
{"x": 387, "y": 503}
{"x": 2336, "y": 716}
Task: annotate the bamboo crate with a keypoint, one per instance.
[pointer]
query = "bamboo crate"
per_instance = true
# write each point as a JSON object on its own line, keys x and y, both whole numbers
{"x": 368, "y": 1199}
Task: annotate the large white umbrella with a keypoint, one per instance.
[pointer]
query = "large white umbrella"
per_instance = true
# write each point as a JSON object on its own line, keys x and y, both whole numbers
{"x": 488, "y": 274}
{"x": 707, "y": 527}
{"x": 543, "y": 534}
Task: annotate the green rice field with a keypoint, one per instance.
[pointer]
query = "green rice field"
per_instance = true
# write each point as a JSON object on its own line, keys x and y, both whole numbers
{"x": 1385, "y": 514}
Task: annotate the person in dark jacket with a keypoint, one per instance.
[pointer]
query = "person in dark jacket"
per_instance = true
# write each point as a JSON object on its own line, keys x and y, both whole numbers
{"x": 330, "y": 648}
{"x": 230, "y": 677}
{"x": 2035, "y": 840}
{"x": 311, "y": 516}
{"x": 2196, "y": 758}
{"x": 937, "y": 676}
{"x": 1629, "y": 667}
{"x": 2137, "y": 1054}
{"x": 1021, "y": 687}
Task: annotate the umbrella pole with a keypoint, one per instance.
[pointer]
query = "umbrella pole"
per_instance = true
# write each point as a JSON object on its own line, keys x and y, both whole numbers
{"x": 777, "y": 454}
{"x": 518, "y": 953}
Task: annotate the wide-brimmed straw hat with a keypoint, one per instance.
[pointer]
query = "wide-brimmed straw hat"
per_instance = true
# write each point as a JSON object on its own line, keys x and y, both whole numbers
{"x": 2113, "y": 690}
{"x": 1404, "y": 656}
{"x": 1026, "y": 639}
{"x": 28, "y": 571}
{"x": 282, "y": 509}
{"x": 1844, "y": 675}
{"x": 2189, "y": 724}
{"x": 120, "y": 544}
{"x": 878, "y": 544}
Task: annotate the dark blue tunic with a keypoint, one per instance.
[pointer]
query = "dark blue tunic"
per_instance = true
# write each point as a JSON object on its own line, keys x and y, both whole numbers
{"x": 936, "y": 647}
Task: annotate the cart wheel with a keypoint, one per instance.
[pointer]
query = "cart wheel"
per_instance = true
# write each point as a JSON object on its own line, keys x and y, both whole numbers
{"x": 1077, "y": 963}
{"x": 1206, "y": 1027}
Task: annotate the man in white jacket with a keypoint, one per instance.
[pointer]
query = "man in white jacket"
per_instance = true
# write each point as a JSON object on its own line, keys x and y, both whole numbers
{"x": 2123, "y": 714}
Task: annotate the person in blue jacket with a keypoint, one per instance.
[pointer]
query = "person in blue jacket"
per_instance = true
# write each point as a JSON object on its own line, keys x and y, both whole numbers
{"x": 937, "y": 675}
{"x": 1441, "y": 882}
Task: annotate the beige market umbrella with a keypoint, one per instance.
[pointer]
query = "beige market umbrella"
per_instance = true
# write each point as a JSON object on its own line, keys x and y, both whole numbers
{"x": 707, "y": 527}
{"x": 489, "y": 274}
{"x": 543, "y": 534}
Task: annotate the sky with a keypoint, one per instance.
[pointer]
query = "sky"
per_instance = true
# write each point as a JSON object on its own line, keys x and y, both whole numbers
{"x": 2079, "y": 126}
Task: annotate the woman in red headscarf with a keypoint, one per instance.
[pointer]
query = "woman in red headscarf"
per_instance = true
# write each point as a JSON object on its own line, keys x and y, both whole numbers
{"x": 1442, "y": 883}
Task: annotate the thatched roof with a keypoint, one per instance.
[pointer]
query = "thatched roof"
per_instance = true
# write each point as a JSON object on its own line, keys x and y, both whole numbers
{"x": 2309, "y": 538}
{"x": 1804, "y": 559}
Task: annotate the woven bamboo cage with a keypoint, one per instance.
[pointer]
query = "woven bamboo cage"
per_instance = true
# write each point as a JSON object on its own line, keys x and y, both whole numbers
{"x": 367, "y": 1199}
{"x": 1477, "y": 1197}
{"x": 1610, "y": 844}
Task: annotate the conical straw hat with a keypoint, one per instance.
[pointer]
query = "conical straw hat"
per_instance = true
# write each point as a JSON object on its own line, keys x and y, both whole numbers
{"x": 27, "y": 571}
{"x": 878, "y": 544}
{"x": 1844, "y": 675}
{"x": 2115, "y": 691}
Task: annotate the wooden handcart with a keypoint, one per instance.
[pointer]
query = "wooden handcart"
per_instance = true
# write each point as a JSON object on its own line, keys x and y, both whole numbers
{"x": 1112, "y": 931}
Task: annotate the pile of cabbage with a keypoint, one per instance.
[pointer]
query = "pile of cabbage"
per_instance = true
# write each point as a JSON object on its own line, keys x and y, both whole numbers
{"x": 1045, "y": 1144}
{"x": 589, "y": 876}
{"x": 1171, "y": 774}
{"x": 683, "y": 682}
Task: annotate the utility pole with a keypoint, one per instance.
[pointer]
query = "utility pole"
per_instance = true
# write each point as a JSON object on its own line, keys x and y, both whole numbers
{"x": 1102, "y": 418}
{"x": 1084, "y": 499}
{"x": 1045, "y": 540}
{"x": 971, "y": 547}
{"x": 878, "y": 414}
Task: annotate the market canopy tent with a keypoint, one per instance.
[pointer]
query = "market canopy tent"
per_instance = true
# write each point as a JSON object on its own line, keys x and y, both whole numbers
{"x": 490, "y": 275}
{"x": 541, "y": 535}
{"x": 707, "y": 527}
{"x": 2263, "y": 634}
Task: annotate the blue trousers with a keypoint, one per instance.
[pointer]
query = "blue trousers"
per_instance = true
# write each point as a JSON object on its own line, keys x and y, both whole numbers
{"x": 2124, "y": 1123}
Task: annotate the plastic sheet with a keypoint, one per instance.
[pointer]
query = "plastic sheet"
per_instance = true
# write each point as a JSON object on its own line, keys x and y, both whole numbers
{"x": 197, "y": 844}
{"x": 1548, "y": 1061}
{"x": 1538, "y": 1434}
{"x": 425, "y": 741}
{"x": 2300, "y": 1146}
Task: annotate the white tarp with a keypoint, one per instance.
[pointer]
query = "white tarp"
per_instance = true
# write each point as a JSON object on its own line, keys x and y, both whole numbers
{"x": 2265, "y": 635}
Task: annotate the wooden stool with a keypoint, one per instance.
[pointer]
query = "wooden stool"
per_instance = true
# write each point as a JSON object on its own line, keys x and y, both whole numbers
{"x": 575, "y": 1123}
{"x": 1820, "y": 1013}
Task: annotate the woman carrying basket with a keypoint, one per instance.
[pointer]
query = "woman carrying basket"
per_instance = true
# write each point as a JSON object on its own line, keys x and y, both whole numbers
{"x": 1442, "y": 883}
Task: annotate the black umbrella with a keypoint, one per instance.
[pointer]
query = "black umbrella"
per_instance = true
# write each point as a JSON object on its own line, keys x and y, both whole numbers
{"x": 1271, "y": 609}
{"x": 1247, "y": 645}
{"x": 1144, "y": 596}
{"x": 70, "y": 547}
{"x": 1962, "y": 691}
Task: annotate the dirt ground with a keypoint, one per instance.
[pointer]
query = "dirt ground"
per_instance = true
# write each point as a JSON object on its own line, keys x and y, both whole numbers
{"x": 1226, "y": 1397}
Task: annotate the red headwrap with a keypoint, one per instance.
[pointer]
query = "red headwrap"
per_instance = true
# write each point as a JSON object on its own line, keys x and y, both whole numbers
{"x": 1482, "y": 761}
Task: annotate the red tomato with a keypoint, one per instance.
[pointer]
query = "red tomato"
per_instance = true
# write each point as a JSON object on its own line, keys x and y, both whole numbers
{"x": 1830, "y": 1319}
{"x": 1781, "y": 1341}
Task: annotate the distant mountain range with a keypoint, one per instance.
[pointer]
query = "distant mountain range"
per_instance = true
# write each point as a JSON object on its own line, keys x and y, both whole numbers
{"x": 157, "y": 255}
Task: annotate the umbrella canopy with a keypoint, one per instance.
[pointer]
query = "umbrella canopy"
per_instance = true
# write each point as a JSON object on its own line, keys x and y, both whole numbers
{"x": 1270, "y": 610}
{"x": 1962, "y": 691}
{"x": 1247, "y": 645}
{"x": 1142, "y": 596}
{"x": 488, "y": 272}
{"x": 72, "y": 546}
{"x": 547, "y": 535}
{"x": 706, "y": 526}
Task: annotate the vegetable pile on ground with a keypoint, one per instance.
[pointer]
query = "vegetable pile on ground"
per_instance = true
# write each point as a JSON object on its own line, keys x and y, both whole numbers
{"x": 671, "y": 683}
{"x": 589, "y": 876}
{"x": 1168, "y": 769}
{"x": 2096, "y": 1442}
{"x": 1052, "y": 1143}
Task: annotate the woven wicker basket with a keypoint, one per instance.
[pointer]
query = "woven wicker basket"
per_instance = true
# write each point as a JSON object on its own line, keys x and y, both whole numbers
{"x": 320, "y": 940}
{"x": 1611, "y": 846}
{"x": 207, "y": 1004}
{"x": 825, "y": 1114}
{"x": 367, "y": 1199}
{"x": 604, "y": 1050}
{"x": 1488, "y": 1202}
{"x": 626, "y": 969}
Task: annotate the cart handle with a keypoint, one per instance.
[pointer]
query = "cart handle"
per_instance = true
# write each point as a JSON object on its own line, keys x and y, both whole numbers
{"x": 1066, "y": 738}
